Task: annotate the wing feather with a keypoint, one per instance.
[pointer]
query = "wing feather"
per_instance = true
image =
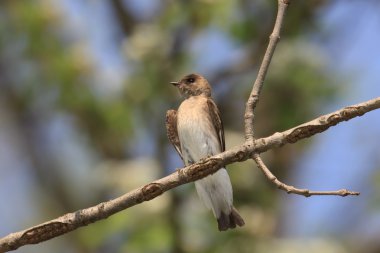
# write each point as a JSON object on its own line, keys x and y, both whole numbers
{"x": 171, "y": 131}
{"x": 217, "y": 122}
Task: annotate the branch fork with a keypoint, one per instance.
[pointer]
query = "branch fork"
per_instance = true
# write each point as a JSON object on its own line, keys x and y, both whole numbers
{"x": 308, "y": 130}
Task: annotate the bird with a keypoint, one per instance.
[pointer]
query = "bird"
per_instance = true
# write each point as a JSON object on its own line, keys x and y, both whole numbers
{"x": 196, "y": 132}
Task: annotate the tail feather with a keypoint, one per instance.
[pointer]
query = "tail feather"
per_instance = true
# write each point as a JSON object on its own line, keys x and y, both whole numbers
{"x": 230, "y": 221}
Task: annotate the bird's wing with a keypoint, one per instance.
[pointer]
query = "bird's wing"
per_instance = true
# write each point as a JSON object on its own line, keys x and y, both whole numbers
{"x": 217, "y": 122}
{"x": 171, "y": 130}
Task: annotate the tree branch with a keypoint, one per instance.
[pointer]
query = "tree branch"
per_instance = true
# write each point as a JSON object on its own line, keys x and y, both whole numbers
{"x": 292, "y": 189}
{"x": 80, "y": 218}
{"x": 257, "y": 86}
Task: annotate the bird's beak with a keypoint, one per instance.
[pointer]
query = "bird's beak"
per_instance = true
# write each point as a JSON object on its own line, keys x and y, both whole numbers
{"x": 175, "y": 83}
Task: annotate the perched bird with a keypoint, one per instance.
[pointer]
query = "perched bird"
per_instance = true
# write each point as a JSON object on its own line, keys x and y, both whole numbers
{"x": 196, "y": 132}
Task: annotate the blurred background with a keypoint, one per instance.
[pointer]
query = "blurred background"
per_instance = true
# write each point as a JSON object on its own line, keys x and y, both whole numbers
{"x": 84, "y": 87}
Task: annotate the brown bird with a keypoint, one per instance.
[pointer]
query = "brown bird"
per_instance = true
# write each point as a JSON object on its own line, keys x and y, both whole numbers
{"x": 196, "y": 132}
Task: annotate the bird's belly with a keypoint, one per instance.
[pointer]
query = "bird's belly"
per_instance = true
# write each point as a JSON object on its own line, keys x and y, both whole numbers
{"x": 198, "y": 139}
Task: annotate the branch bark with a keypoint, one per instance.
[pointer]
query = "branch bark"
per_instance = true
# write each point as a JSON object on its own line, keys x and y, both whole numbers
{"x": 80, "y": 218}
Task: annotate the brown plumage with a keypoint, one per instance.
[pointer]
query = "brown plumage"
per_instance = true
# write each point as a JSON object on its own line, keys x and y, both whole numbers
{"x": 196, "y": 131}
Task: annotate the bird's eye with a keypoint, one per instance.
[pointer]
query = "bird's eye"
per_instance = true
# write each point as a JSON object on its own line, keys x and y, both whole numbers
{"x": 191, "y": 80}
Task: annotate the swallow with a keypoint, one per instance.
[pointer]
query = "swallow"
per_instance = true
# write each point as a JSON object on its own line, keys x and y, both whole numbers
{"x": 196, "y": 132}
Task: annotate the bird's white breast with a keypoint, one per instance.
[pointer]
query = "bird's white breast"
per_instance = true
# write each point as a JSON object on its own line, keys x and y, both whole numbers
{"x": 196, "y": 132}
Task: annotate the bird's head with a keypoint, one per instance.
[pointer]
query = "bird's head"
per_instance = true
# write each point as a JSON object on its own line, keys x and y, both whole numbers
{"x": 193, "y": 85}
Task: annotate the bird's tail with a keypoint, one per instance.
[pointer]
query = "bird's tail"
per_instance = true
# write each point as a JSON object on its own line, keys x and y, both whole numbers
{"x": 226, "y": 221}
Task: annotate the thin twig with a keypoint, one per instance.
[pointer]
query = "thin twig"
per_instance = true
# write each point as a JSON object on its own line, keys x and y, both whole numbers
{"x": 253, "y": 98}
{"x": 257, "y": 86}
{"x": 80, "y": 218}
{"x": 292, "y": 189}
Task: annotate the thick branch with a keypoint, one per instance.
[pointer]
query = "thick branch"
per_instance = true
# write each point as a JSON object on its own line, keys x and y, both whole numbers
{"x": 75, "y": 220}
{"x": 292, "y": 189}
{"x": 315, "y": 126}
{"x": 257, "y": 86}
